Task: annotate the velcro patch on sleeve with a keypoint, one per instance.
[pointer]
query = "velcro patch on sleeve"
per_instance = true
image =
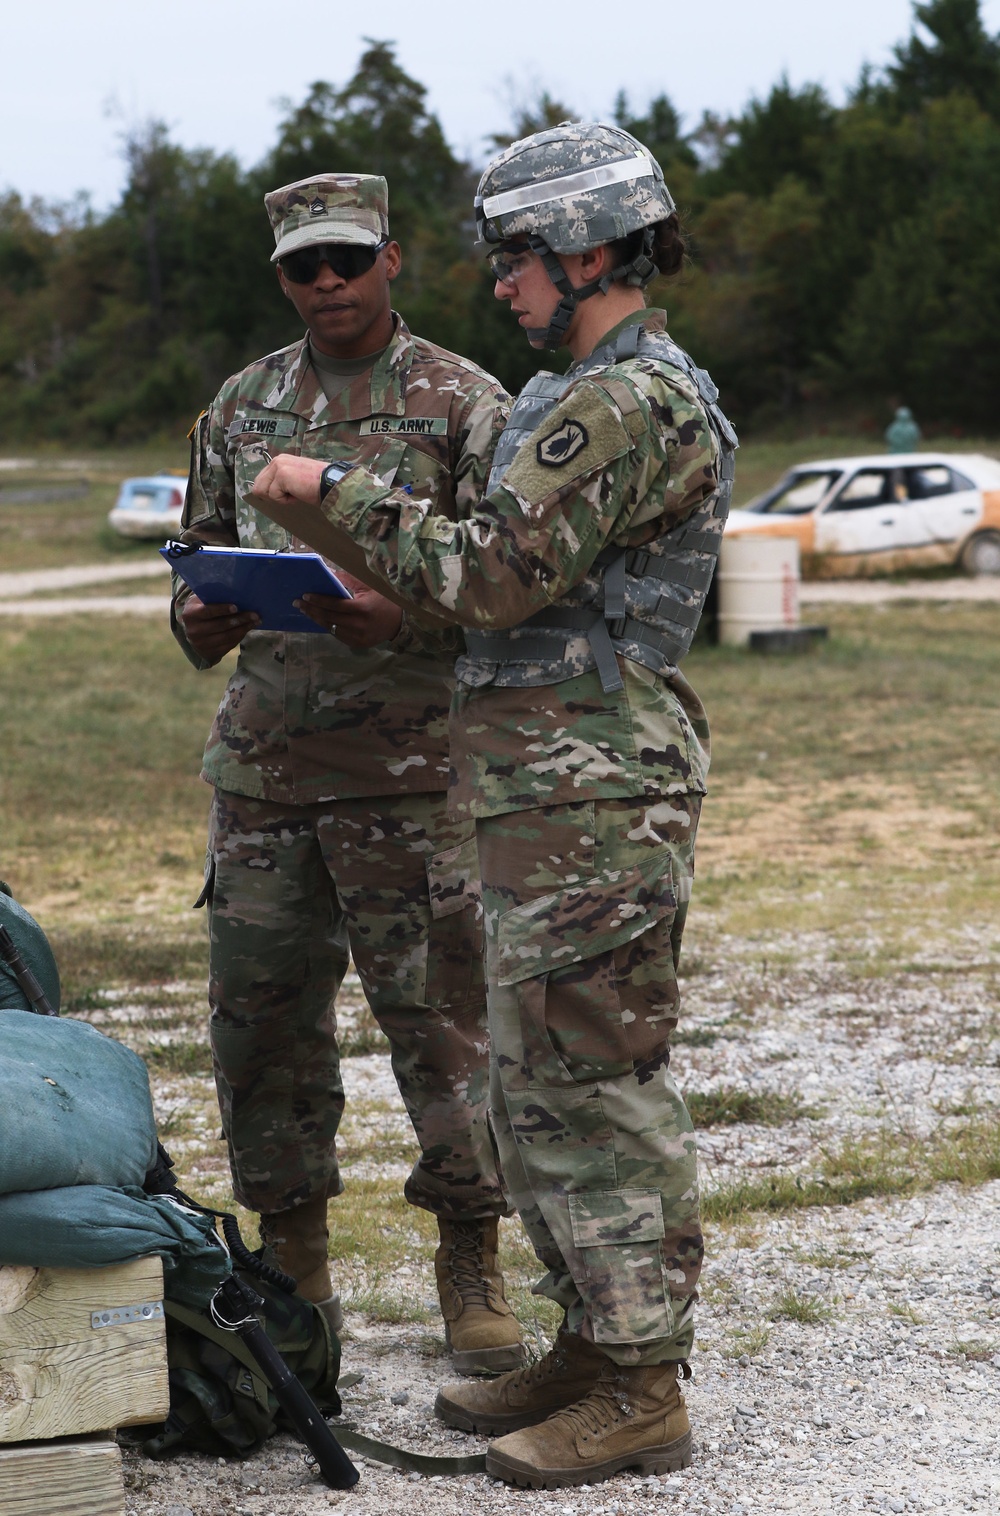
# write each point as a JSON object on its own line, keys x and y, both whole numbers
{"x": 583, "y": 434}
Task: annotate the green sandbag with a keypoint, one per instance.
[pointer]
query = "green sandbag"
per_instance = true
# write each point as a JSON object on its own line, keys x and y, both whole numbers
{"x": 75, "y": 1106}
{"x": 90, "y": 1226}
{"x": 32, "y": 944}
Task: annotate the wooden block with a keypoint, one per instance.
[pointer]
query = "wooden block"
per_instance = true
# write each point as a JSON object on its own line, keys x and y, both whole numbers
{"x": 59, "y": 1375}
{"x": 62, "y": 1479}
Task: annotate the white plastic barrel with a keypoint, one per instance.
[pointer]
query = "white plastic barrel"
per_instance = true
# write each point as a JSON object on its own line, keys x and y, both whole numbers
{"x": 758, "y": 586}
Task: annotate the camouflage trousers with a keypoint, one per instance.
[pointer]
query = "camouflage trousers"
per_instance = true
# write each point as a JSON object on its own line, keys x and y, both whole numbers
{"x": 584, "y": 911}
{"x": 294, "y": 892}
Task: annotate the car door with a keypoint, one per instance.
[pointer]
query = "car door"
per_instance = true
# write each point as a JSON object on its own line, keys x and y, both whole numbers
{"x": 870, "y": 515}
{"x": 949, "y": 502}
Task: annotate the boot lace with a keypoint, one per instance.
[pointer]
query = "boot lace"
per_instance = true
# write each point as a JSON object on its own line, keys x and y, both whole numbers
{"x": 535, "y": 1373}
{"x": 605, "y": 1405}
{"x": 465, "y": 1266}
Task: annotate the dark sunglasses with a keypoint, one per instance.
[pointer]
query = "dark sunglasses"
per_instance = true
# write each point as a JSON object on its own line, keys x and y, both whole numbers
{"x": 347, "y": 262}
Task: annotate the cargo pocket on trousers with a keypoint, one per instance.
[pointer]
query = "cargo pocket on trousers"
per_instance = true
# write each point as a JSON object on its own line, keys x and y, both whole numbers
{"x": 593, "y": 973}
{"x": 619, "y": 1235}
{"x": 455, "y": 940}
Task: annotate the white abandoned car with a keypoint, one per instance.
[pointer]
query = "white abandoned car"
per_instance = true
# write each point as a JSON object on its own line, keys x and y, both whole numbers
{"x": 149, "y": 507}
{"x": 884, "y": 514}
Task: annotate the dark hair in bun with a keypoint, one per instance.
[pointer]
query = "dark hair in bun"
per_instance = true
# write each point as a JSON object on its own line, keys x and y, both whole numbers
{"x": 669, "y": 246}
{"x": 668, "y": 250}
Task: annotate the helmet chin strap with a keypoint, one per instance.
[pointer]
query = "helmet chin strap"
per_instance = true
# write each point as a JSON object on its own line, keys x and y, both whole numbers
{"x": 637, "y": 272}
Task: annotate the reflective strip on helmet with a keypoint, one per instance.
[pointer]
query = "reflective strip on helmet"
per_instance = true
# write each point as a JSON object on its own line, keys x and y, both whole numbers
{"x": 567, "y": 186}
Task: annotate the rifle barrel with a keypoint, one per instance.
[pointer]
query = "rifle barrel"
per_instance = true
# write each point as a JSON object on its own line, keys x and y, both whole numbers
{"x": 11, "y": 955}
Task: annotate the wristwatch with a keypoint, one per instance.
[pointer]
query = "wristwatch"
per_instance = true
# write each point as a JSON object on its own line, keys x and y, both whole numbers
{"x": 331, "y": 475}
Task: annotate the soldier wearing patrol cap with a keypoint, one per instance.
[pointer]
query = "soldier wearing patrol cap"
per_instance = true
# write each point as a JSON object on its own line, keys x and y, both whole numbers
{"x": 329, "y": 832}
{"x": 582, "y": 752}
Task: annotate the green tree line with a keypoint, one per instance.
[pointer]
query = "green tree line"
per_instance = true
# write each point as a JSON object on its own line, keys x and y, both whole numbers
{"x": 842, "y": 257}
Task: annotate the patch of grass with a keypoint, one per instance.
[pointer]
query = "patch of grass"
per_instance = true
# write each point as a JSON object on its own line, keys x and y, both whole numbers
{"x": 102, "y": 727}
{"x": 694, "y": 1036}
{"x": 362, "y": 1036}
{"x": 826, "y": 1258}
{"x": 854, "y": 755}
{"x": 881, "y": 1164}
{"x": 729, "y": 1105}
{"x": 805, "y": 1309}
{"x": 905, "y": 1313}
{"x": 751, "y": 1341}
{"x": 976, "y": 1351}
{"x": 114, "y": 954}
{"x": 958, "y": 1108}
{"x": 188, "y": 1058}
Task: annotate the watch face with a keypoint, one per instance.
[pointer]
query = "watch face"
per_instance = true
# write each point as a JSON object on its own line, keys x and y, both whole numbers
{"x": 331, "y": 475}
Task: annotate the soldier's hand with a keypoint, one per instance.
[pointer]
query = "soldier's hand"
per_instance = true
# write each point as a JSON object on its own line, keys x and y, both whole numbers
{"x": 214, "y": 630}
{"x": 289, "y": 477}
{"x": 363, "y": 622}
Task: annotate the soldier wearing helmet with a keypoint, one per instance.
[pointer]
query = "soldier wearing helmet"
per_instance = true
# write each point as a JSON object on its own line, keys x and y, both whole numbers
{"x": 581, "y": 751}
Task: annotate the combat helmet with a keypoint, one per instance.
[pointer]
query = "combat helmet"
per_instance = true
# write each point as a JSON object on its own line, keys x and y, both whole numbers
{"x": 576, "y": 186}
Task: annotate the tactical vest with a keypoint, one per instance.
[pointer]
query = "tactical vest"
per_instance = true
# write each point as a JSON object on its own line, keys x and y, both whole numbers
{"x": 643, "y": 603}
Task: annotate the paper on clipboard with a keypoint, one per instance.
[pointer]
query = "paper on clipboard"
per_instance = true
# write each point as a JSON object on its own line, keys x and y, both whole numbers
{"x": 256, "y": 579}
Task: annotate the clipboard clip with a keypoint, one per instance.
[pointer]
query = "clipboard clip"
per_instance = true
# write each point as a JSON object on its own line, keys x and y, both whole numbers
{"x": 181, "y": 549}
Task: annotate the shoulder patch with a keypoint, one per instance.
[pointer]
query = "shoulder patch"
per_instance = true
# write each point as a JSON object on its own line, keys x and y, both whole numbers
{"x": 583, "y": 434}
{"x": 563, "y": 444}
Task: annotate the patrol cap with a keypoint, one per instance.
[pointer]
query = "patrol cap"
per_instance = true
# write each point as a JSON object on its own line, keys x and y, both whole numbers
{"x": 351, "y": 208}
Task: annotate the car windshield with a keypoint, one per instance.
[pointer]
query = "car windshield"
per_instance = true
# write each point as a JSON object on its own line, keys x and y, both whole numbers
{"x": 149, "y": 495}
{"x": 797, "y": 494}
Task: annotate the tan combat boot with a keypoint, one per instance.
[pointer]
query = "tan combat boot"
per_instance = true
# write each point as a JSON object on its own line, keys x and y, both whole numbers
{"x": 295, "y": 1241}
{"x": 527, "y": 1395}
{"x": 480, "y": 1328}
{"x": 629, "y": 1419}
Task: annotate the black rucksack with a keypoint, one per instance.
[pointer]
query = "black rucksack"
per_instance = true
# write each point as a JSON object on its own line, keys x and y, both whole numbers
{"x": 219, "y": 1400}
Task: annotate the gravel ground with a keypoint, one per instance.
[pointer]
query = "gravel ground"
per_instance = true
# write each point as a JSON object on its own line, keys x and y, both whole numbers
{"x": 848, "y": 1358}
{"x": 868, "y": 1410}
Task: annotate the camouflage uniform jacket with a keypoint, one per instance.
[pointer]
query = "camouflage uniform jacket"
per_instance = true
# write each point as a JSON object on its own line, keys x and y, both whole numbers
{"x": 641, "y": 457}
{"x": 304, "y": 718}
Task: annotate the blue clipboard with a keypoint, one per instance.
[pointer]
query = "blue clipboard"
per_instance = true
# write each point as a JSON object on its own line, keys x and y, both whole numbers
{"x": 256, "y": 579}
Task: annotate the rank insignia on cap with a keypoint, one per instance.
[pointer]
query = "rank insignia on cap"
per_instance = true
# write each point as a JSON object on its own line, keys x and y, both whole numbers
{"x": 562, "y": 445}
{"x": 317, "y": 207}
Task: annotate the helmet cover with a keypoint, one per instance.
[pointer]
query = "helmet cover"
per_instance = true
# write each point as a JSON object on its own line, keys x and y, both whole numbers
{"x": 577, "y": 186}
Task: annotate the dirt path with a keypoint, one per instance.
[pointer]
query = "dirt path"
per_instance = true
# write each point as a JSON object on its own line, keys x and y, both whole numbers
{"x": 15, "y": 590}
{"x": 109, "y": 605}
{"x": 34, "y": 581}
{"x": 879, "y": 591}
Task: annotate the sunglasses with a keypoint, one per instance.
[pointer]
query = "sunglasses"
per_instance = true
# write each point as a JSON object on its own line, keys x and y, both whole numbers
{"x": 508, "y": 263}
{"x": 347, "y": 262}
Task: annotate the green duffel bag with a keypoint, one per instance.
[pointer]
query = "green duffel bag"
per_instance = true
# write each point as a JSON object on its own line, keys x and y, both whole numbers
{"x": 75, "y": 1106}
{"x": 90, "y": 1226}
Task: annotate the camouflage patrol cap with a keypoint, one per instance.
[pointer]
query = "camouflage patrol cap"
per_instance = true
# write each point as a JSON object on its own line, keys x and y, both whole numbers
{"x": 350, "y": 208}
{"x": 578, "y": 185}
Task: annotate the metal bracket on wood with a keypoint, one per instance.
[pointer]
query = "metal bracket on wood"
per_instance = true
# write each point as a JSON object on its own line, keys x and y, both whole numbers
{"x": 150, "y": 1310}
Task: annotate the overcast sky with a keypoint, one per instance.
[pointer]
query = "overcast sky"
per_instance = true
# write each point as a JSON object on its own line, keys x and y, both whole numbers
{"x": 216, "y": 70}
